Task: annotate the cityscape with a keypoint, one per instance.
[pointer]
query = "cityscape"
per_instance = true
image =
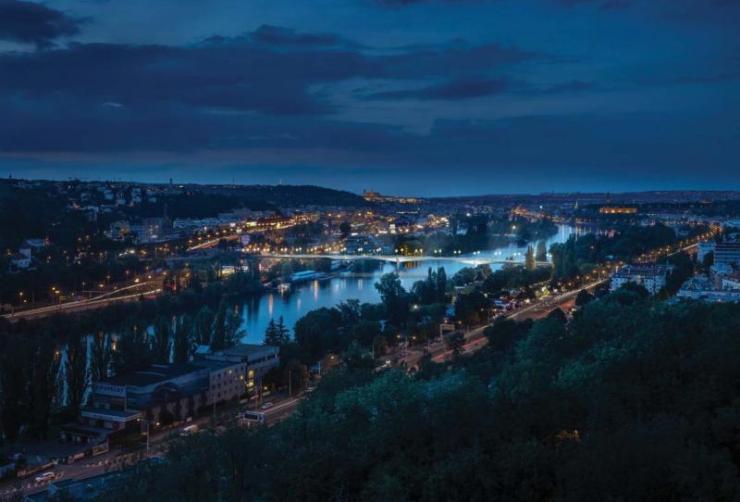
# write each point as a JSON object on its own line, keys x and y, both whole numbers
{"x": 369, "y": 250}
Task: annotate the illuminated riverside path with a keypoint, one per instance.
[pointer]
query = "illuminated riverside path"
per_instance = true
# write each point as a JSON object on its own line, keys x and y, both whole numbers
{"x": 312, "y": 295}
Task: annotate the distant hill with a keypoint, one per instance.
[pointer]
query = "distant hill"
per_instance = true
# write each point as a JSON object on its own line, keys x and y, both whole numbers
{"x": 289, "y": 195}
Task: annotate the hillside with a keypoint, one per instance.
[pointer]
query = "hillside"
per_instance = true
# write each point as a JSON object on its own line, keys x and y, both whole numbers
{"x": 632, "y": 400}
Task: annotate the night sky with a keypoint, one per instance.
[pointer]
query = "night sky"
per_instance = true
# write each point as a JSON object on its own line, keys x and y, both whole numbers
{"x": 427, "y": 97}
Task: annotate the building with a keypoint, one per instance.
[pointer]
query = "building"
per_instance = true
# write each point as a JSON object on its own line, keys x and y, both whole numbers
{"x": 651, "y": 277}
{"x": 727, "y": 253}
{"x": 360, "y": 244}
{"x": 617, "y": 210}
{"x": 153, "y": 229}
{"x": 19, "y": 261}
{"x": 156, "y": 396}
{"x": 257, "y": 360}
{"x": 119, "y": 230}
{"x": 702, "y": 288}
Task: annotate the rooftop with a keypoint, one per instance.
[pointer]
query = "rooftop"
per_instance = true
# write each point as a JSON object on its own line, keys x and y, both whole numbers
{"x": 652, "y": 269}
{"x": 244, "y": 349}
{"x": 153, "y": 374}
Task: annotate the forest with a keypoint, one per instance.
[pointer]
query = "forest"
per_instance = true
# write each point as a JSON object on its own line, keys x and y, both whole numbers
{"x": 632, "y": 399}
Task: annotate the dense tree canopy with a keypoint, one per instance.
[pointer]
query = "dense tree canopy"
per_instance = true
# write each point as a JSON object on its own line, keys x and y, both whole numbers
{"x": 631, "y": 400}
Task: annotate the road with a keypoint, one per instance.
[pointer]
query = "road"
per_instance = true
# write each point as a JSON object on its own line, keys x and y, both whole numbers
{"x": 475, "y": 339}
{"x": 149, "y": 288}
{"x": 116, "y": 459}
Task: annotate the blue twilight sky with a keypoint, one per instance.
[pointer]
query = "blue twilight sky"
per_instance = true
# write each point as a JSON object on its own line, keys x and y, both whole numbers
{"x": 428, "y": 97}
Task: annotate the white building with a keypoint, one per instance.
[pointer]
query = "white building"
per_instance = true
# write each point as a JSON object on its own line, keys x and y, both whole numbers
{"x": 651, "y": 277}
{"x": 702, "y": 288}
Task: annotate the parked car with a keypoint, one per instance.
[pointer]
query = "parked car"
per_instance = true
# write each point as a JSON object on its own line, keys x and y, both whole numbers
{"x": 267, "y": 406}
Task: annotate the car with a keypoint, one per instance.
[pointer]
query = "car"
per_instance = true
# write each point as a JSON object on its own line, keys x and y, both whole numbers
{"x": 46, "y": 476}
{"x": 189, "y": 430}
{"x": 267, "y": 406}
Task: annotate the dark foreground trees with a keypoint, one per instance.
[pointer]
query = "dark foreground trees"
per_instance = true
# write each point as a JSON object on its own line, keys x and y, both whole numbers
{"x": 630, "y": 400}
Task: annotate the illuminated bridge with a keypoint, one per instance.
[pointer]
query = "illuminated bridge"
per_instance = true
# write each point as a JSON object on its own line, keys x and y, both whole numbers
{"x": 466, "y": 259}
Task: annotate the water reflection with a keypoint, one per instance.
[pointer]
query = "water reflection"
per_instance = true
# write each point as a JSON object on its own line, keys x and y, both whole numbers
{"x": 303, "y": 298}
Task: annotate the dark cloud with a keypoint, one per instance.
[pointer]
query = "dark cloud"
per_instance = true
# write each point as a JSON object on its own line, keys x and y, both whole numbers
{"x": 271, "y": 71}
{"x": 29, "y": 22}
{"x": 241, "y": 78}
{"x": 44, "y": 126}
{"x": 276, "y": 36}
{"x": 285, "y": 36}
{"x": 455, "y": 90}
{"x": 469, "y": 88}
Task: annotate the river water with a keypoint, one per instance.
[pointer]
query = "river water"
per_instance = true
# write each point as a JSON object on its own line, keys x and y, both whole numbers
{"x": 308, "y": 296}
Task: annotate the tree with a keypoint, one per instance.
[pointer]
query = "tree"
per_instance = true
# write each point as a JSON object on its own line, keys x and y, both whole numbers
{"x": 530, "y": 263}
{"x": 317, "y": 333}
{"x": 233, "y": 324}
{"x": 380, "y": 346}
{"x": 182, "y": 343}
{"x": 277, "y": 334}
{"x": 162, "y": 338}
{"x": 296, "y": 376}
{"x": 203, "y": 326}
{"x": 541, "y": 253}
{"x": 218, "y": 339}
{"x": 271, "y": 334}
{"x": 441, "y": 285}
{"x": 345, "y": 228}
{"x": 394, "y": 297}
{"x": 471, "y": 308}
{"x": 132, "y": 350}
{"x": 557, "y": 314}
{"x": 455, "y": 342}
{"x": 356, "y": 357}
{"x": 583, "y": 298}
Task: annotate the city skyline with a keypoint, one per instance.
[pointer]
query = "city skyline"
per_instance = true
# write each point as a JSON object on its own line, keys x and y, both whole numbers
{"x": 427, "y": 98}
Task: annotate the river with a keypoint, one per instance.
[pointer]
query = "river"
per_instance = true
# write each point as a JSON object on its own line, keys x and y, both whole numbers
{"x": 305, "y": 297}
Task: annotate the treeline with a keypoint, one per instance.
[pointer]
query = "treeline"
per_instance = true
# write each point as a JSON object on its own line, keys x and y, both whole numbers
{"x": 291, "y": 195}
{"x": 39, "y": 213}
{"x": 47, "y": 366}
{"x": 581, "y": 254}
{"x": 197, "y": 204}
{"x": 481, "y": 232}
{"x": 411, "y": 317}
{"x": 408, "y": 316}
{"x": 631, "y": 400}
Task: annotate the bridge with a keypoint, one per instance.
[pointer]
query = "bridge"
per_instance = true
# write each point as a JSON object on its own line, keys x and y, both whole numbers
{"x": 466, "y": 259}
